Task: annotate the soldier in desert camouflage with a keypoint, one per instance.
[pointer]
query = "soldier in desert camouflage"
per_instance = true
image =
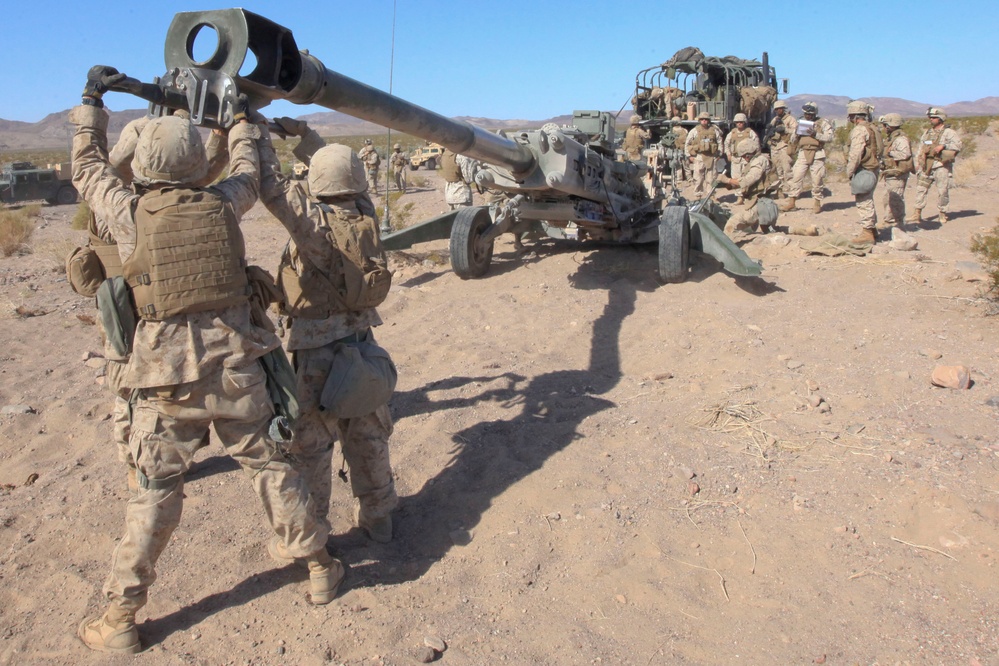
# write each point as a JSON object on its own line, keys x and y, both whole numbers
{"x": 938, "y": 148}
{"x": 809, "y": 146}
{"x": 321, "y": 322}
{"x": 780, "y": 131}
{"x": 863, "y": 156}
{"x": 739, "y": 133}
{"x": 634, "y": 138}
{"x": 757, "y": 180}
{"x": 898, "y": 164}
{"x": 195, "y": 355}
{"x": 703, "y": 147}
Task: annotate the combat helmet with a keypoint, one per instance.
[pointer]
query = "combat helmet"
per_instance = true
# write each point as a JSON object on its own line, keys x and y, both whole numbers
{"x": 810, "y": 107}
{"x": 704, "y": 115}
{"x": 740, "y": 118}
{"x": 934, "y": 112}
{"x": 397, "y": 146}
{"x": 857, "y": 108}
{"x": 367, "y": 142}
{"x": 746, "y": 147}
{"x": 170, "y": 152}
{"x": 635, "y": 119}
{"x": 892, "y": 119}
{"x": 336, "y": 171}
{"x": 780, "y": 104}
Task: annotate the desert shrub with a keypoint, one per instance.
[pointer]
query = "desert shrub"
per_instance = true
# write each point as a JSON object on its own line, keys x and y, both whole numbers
{"x": 400, "y": 212}
{"x": 81, "y": 219}
{"x": 16, "y": 227}
{"x": 986, "y": 247}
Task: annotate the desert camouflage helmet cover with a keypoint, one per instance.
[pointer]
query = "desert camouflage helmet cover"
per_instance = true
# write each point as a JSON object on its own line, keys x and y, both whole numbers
{"x": 704, "y": 115}
{"x": 367, "y": 142}
{"x": 336, "y": 171}
{"x": 635, "y": 119}
{"x": 397, "y": 146}
{"x": 934, "y": 112}
{"x": 675, "y": 119}
{"x": 169, "y": 151}
{"x": 780, "y": 104}
{"x": 892, "y": 119}
{"x": 746, "y": 147}
{"x": 857, "y": 108}
{"x": 810, "y": 107}
{"x": 740, "y": 118}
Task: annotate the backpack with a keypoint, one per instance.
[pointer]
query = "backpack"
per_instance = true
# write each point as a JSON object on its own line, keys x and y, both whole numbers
{"x": 366, "y": 278}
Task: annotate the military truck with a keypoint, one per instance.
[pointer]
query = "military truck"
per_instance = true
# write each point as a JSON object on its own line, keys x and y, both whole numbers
{"x": 23, "y": 181}
{"x": 428, "y": 155}
{"x": 691, "y": 83}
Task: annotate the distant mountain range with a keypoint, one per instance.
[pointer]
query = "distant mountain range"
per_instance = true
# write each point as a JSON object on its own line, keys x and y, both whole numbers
{"x": 55, "y": 131}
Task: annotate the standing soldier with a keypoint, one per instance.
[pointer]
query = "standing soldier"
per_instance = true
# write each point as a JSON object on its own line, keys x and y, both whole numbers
{"x": 938, "y": 150}
{"x": 758, "y": 181}
{"x": 634, "y": 138}
{"x": 679, "y": 143}
{"x": 781, "y": 130}
{"x": 809, "y": 142}
{"x": 739, "y": 133}
{"x": 458, "y": 172}
{"x": 195, "y": 359}
{"x": 898, "y": 164}
{"x": 704, "y": 145}
{"x": 333, "y": 273}
{"x": 399, "y": 162}
{"x": 862, "y": 168}
{"x": 372, "y": 160}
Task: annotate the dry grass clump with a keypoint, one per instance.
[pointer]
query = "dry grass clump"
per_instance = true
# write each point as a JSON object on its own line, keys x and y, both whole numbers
{"x": 81, "y": 220}
{"x": 16, "y": 227}
{"x": 986, "y": 246}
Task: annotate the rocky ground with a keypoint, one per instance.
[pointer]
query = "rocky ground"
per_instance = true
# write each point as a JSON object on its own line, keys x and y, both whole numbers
{"x": 594, "y": 468}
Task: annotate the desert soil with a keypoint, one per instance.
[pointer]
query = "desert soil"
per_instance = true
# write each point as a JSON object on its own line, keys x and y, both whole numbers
{"x": 593, "y": 468}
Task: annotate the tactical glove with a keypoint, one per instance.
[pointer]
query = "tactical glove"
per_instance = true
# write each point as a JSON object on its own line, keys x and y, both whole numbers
{"x": 292, "y": 127}
{"x": 779, "y": 129}
{"x": 100, "y": 79}
{"x": 242, "y": 108}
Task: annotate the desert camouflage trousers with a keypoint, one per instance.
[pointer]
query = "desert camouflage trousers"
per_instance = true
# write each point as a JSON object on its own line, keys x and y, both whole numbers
{"x": 781, "y": 162}
{"x": 866, "y": 213}
{"x": 364, "y": 442}
{"x": 702, "y": 169}
{"x": 817, "y": 169}
{"x": 939, "y": 177}
{"x": 121, "y": 416}
{"x": 894, "y": 198}
{"x": 373, "y": 180}
{"x": 741, "y": 222}
{"x": 400, "y": 178}
{"x": 168, "y": 426}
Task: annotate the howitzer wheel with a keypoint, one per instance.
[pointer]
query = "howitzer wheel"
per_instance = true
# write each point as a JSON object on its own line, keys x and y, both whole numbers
{"x": 470, "y": 258}
{"x": 674, "y": 244}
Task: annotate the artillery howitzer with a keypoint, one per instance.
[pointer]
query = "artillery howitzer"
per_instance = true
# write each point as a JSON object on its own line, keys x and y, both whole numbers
{"x": 562, "y": 178}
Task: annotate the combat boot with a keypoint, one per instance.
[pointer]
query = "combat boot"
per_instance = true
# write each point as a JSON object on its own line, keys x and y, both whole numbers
{"x": 867, "y": 236}
{"x": 817, "y": 206}
{"x": 917, "y": 216}
{"x": 280, "y": 554}
{"x": 943, "y": 217}
{"x": 788, "y": 204}
{"x": 325, "y": 575}
{"x": 112, "y": 632}
{"x": 377, "y": 529}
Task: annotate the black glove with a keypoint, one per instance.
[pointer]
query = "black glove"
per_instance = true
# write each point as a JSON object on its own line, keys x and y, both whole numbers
{"x": 779, "y": 129}
{"x": 242, "y": 108}
{"x": 100, "y": 79}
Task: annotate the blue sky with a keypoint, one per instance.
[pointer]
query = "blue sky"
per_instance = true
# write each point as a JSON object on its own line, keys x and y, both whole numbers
{"x": 518, "y": 59}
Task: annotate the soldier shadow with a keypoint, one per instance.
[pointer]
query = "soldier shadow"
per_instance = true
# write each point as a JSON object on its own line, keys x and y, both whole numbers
{"x": 208, "y": 467}
{"x": 155, "y": 631}
{"x": 489, "y": 457}
{"x": 958, "y": 214}
{"x": 837, "y": 205}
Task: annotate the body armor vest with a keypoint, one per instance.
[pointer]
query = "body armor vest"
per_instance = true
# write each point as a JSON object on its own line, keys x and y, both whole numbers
{"x": 189, "y": 254}
{"x": 449, "y": 167}
{"x": 681, "y": 137}
{"x": 739, "y": 135}
{"x": 891, "y": 164}
{"x": 869, "y": 158}
{"x": 357, "y": 277}
{"x": 706, "y": 141}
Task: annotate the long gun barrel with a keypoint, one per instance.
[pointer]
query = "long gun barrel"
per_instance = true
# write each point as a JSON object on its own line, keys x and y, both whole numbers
{"x": 284, "y": 72}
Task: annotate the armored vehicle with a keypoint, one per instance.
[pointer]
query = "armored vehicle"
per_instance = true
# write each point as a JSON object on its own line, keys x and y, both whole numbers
{"x": 428, "y": 156}
{"x": 23, "y": 181}
{"x": 562, "y": 178}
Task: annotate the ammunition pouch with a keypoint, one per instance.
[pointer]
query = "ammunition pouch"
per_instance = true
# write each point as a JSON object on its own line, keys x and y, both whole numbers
{"x": 117, "y": 314}
{"x": 84, "y": 271}
{"x": 808, "y": 155}
{"x": 767, "y": 211}
{"x": 362, "y": 378}
{"x": 947, "y": 157}
{"x": 924, "y": 180}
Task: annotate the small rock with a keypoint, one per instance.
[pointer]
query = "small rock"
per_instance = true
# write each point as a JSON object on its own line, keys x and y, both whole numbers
{"x": 95, "y": 362}
{"x": 840, "y": 529}
{"x": 693, "y": 488}
{"x": 823, "y": 408}
{"x": 930, "y": 353}
{"x": 993, "y": 401}
{"x": 87, "y": 355}
{"x": 801, "y": 229}
{"x": 902, "y": 241}
{"x": 435, "y": 643}
{"x": 424, "y": 655}
{"x": 811, "y": 385}
{"x": 18, "y": 409}
{"x": 461, "y": 537}
{"x": 815, "y": 400}
{"x": 662, "y": 376}
{"x": 794, "y": 365}
{"x": 971, "y": 271}
{"x": 687, "y": 472}
{"x": 555, "y": 515}
{"x": 279, "y": 650}
{"x": 620, "y": 598}
{"x": 903, "y": 374}
{"x": 821, "y": 659}
{"x": 951, "y": 376}
{"x": 887, "y": 457}
{"x": 754, "y": 328}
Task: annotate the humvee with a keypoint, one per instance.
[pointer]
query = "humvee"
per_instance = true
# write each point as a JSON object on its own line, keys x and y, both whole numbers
{"x": 23, "y": 181}
{"x": 428, "y": 155}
